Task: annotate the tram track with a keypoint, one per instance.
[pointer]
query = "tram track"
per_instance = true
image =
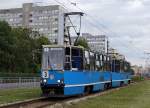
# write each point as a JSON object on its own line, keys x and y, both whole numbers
{"x": 43, "y": 102}
{"x": 31, "y": 103}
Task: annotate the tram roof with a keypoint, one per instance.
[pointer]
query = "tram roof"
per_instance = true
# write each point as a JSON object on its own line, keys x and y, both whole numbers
{"x": 64, "y": 46}
{"x": 61, "y": 46}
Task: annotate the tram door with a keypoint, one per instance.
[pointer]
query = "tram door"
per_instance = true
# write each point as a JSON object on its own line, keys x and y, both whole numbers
{"x": 73, "y": 58}
{"x": 77, "y": 58}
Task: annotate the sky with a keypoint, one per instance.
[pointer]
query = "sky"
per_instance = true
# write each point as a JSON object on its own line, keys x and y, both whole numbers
{"x": 125, "y": 22}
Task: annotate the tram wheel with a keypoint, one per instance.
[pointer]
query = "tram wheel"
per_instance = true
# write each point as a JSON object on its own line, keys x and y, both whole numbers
{"x": 45, "y": 91}
{"x": 121, "y": 83}
{"x": 88, "y": 90}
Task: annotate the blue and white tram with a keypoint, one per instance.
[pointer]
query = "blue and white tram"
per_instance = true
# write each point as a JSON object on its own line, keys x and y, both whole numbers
{"x": 72, "y": 70}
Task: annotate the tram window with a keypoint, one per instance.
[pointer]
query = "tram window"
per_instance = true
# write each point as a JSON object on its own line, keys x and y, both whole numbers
{"x": 101, "y": 62}
{"x": 87, "y": 57}
{"x": 96, "y": 56}
{"x": 108, "y": 58}
{"x": 77, "y": 59}
{"x": 53, "y": 58}
{"x": 87, "y": 60}
{"x": 97, "y": 62}
{"x": 75, "y": 52}
{"x": 67, "y": 59}
{"x": 101, "y": 57}
{"x": 45, "y": 59}
{"x": 104, "y": 58}
{"x": 105, "y": 62}
{"x": 92, "y": 61}
{"x": 67, "y": 51}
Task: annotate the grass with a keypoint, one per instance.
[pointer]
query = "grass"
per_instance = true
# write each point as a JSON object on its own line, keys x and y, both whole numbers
{"x": 133, "y": 96}
{"x": 13, "y": 95}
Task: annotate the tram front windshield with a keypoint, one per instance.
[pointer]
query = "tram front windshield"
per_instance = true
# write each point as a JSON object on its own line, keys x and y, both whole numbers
{"x": 53, "y": 58}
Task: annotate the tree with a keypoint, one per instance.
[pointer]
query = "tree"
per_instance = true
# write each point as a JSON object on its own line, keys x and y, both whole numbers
{"x": 82, "y": 42}
{"x": 18, "y": 49}
{"x": 127, "y": 67}
{"x": 6, "y": 45}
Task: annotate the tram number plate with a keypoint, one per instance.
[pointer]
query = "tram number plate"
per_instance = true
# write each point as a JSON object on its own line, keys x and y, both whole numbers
{"x": 45, "y": 74}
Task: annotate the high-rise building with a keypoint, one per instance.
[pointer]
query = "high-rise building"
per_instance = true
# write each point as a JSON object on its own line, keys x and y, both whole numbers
{"x": 115, "y": 54}
{"x": 97, "y": 43}
{"x": 47, "y": 20}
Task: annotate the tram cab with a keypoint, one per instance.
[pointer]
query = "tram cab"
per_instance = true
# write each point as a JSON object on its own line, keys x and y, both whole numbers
{"x": 62, "y": 58}
{"x": 57, "y": 60}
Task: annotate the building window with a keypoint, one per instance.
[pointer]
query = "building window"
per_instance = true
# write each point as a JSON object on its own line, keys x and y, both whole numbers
{"x": 56, "y": 31}
{"x": 56, "y": 19}
{"x": 11, "y": 19}
{"x": 30, "y": 21}
{"x": 20, "y": 16}
{"x": 41, "y": 29}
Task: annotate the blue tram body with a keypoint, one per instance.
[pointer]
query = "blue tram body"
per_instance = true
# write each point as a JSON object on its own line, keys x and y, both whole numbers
{"x": 73, "y": 74}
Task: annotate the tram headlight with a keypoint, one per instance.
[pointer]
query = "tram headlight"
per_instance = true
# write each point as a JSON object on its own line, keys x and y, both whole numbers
{"x": 44, "y": 81}
{"x": 58, "y": 81}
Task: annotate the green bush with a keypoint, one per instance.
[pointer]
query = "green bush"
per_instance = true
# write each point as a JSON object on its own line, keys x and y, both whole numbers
{"x": 137, "y": 78}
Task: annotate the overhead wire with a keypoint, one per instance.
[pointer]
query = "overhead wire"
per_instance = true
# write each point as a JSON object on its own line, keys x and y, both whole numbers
{"x": 105, "y": 27}
{"x": 105, "y": 30}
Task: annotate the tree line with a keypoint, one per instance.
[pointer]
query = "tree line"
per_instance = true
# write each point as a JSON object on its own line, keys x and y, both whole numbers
{"x": 20, "y": 49}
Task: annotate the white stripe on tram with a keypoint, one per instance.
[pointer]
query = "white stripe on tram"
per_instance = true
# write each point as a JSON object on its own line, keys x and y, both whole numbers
{"x": 78, "y": 85}
{"x": 120, "y": 80}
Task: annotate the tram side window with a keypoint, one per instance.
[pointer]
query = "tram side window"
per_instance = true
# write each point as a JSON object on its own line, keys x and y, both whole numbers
{"x": 67, "y": 59}
{"x": 97, "y": 62}
{"x": 105, "y": 62}
{"x": 109, "y": 63}
{"x": 87, "y": 60}
{"x": 102, "y": 62}
{"x": 77, "y": 59}
{"x": 92, "y": 61}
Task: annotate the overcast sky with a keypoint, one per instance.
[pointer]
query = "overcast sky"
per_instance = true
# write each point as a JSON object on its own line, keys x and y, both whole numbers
{"x": 125, "y": 22}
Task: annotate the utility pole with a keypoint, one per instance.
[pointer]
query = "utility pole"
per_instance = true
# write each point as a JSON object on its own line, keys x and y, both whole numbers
{"x": 107, "y": 46}
{"x": 107, "y": 55}
{"x": 147, "y": 62}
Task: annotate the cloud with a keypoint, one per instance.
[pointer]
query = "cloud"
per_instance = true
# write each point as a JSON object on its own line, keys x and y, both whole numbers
{"x": 127, "y": 24}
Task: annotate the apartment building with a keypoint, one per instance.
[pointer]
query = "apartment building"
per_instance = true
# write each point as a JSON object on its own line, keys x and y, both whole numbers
{"x": 47, "y": 20}
{"x": 96, "y": 42}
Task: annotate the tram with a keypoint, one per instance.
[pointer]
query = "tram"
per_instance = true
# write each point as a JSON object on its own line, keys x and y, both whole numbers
{"x": 73, "y": 70}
